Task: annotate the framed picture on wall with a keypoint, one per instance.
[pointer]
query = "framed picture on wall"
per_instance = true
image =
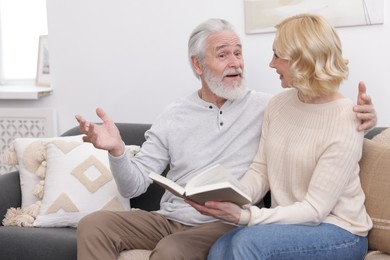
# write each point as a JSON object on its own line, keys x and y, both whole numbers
{"x": 262, "y": 15}
{"x": 43, "y": 66}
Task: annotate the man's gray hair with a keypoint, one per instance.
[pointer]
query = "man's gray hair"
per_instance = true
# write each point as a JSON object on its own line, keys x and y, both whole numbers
{"x": 198, "y": 39}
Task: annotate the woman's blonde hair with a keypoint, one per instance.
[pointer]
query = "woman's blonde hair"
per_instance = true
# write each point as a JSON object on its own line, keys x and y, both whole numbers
{"x": 313, "y": 49}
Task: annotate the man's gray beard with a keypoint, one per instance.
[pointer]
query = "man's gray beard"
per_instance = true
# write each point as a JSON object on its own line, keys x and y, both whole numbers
{"x": 217, "y": 86}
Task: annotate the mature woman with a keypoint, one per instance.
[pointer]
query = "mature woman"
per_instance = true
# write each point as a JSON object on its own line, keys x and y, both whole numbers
{"x": 308, "y": 157}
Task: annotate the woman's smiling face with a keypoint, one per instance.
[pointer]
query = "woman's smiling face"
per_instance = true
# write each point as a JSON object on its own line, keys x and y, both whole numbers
{"x": 282, "y": 67}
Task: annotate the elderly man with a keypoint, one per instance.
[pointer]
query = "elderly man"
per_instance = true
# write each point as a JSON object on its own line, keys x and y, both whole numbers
{"x": 219, "y": 123}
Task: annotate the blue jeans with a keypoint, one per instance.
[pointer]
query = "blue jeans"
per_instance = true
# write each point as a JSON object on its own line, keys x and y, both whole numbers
{"x": 278, "y": 241}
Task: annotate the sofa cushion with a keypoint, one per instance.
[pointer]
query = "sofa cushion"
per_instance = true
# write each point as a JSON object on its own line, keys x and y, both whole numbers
{"x": 18, "y": 243}
{"x": 78, "y": 182}
{"x": 375, "y": 179}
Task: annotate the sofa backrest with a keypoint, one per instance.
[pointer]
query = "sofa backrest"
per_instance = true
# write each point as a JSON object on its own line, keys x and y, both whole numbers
{"x": 134, "y": 134}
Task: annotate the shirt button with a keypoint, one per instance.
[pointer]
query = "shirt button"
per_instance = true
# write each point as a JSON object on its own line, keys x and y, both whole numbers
{"x": 220, "y": 112}
{"x": 221, "y": 124}
{"x": 210, "y": 107}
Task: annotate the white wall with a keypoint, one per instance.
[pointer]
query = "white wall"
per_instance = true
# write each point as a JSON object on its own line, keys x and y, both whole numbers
{"x": 130, "y": 57}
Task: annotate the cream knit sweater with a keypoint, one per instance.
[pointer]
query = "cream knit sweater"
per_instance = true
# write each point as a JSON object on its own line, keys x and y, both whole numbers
{"x": 308, "y": 157}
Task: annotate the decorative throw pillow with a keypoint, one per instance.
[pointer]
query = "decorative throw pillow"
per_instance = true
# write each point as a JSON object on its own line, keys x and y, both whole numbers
{"x": 78, "y": 182}
{"x": 30, "y": 156}
{"x": 375, "y": 179}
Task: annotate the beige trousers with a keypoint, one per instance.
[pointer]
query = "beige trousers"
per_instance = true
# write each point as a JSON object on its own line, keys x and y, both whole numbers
{"x": 104, "y": 234}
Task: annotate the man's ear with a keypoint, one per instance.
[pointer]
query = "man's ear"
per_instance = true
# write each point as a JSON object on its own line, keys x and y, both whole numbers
{"x": 196, "y": 64}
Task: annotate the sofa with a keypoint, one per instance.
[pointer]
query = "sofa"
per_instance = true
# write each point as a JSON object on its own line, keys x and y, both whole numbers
{"x": 59, "y": 243}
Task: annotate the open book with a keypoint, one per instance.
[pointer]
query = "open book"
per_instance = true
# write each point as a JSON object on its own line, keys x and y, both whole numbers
{"x": 213, "y": 184}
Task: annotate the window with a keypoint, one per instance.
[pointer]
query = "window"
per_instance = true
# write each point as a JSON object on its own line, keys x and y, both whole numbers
{"x": 21, "y": 23}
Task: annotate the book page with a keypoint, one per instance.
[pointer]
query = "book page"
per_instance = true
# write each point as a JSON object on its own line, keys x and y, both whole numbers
{"x": 168, "y": 184}
{"x": 214, "y": 184}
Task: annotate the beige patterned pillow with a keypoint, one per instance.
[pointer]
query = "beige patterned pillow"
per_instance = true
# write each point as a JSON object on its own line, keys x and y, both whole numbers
{"x": 78, "y": 182}
{"x": 375, "y": 178}
{"x": 29, "y": 154}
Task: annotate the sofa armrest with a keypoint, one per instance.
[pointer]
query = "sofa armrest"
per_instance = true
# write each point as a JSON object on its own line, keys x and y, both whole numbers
{"x": 10, "y": 193}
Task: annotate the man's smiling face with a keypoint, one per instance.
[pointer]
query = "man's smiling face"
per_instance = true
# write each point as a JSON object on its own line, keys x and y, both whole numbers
{"x": 224, "y": 64}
